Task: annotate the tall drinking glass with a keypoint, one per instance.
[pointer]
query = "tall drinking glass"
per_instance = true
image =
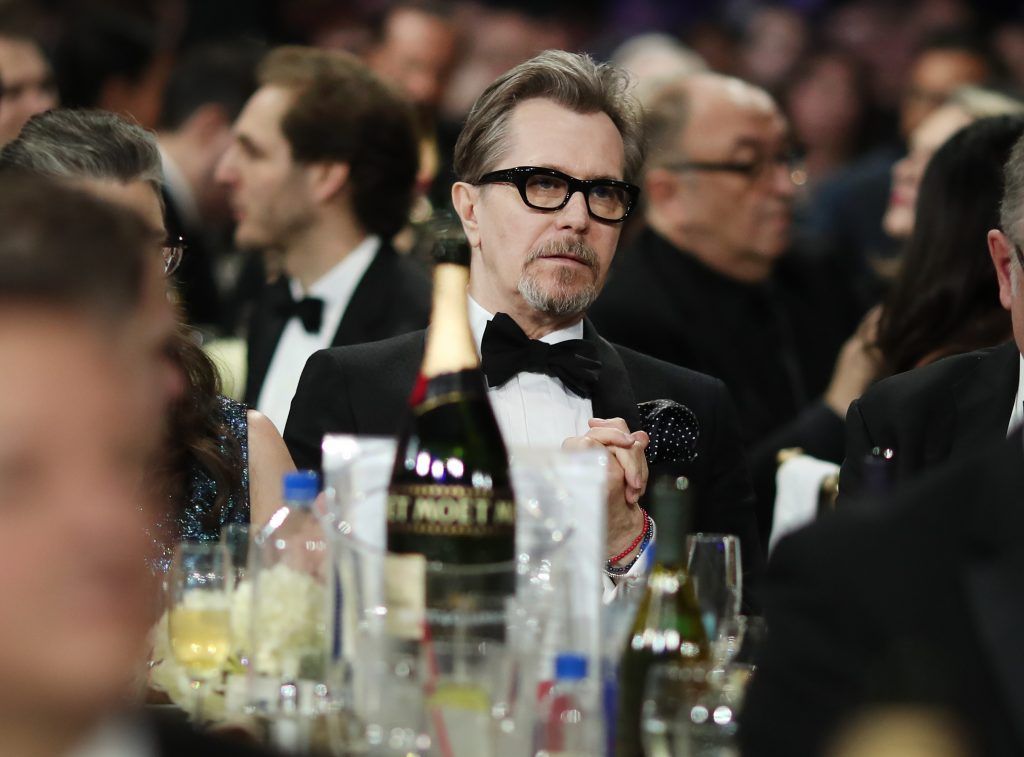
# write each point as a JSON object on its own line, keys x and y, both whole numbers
{"x": 717, "y": 575}
{"x": 199, "y": 621}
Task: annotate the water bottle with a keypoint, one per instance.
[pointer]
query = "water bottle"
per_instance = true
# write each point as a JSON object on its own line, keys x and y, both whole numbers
{"x": 566, "y": 729}
{"x": 291, "y": 603}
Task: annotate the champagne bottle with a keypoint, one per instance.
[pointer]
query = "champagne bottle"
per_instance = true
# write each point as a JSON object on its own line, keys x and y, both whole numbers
{"x": 450, "y": 497}
{"x": 668, "y": 627}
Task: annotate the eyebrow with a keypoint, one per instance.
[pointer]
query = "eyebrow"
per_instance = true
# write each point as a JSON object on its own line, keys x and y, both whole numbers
{"x": 556, "y": 167}
{"x": 248, "y": 144}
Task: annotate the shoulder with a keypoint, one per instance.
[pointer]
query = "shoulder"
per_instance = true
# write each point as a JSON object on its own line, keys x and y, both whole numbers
{"x": 650, "y": 374}
{"x": 937, "y": 379}
{"x": 262, "y": 432}
{"x": 370, "y": 356}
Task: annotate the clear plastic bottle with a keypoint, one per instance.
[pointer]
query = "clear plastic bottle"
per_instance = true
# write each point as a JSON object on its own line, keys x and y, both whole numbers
{"x": 291, "y": 601}
{"x": 565, "y": 728}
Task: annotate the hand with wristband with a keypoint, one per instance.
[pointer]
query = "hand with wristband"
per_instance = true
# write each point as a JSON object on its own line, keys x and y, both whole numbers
{"x": 627, "y": 523}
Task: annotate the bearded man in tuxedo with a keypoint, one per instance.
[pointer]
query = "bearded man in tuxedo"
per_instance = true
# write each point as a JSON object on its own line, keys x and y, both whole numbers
{"x": 545, "y": 160}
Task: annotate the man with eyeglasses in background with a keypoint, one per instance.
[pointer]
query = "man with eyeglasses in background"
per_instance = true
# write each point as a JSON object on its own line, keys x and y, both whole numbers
{"x": 710, "y": 283}
{"x": 546, "y": 160}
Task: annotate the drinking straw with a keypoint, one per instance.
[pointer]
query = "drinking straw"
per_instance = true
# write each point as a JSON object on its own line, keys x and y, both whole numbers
{"x": 431, "y": 686}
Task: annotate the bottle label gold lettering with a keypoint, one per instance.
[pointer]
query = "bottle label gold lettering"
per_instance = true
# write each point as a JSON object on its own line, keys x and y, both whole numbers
{"x": 450, "y": 510}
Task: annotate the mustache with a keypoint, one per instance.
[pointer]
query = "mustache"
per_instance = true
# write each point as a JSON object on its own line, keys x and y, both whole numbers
{"x": 565, "y": 248}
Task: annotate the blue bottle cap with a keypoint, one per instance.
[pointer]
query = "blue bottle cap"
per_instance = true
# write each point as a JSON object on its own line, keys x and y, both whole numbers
{"x": 570, "y": 667}
{"x": 301, "y": 485}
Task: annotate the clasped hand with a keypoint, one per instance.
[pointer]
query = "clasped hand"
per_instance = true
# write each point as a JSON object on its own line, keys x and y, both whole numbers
{"x": 627, "y": 477}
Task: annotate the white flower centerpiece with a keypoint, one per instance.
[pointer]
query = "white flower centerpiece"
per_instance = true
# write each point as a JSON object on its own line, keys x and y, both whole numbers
{"x": 286, "y": 640}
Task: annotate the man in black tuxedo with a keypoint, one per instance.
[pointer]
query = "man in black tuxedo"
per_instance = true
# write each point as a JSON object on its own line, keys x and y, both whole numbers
{"x": 204, "y": 95}
{"x": 918, "y": 603}
{"x": 321, "y": 174}
{"x": 544, "y": 159}
{"x": 710, "y": 284}
{"x": 944, "y": 411}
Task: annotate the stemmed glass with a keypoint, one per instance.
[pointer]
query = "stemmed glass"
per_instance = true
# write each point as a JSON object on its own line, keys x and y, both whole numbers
{"x": 199, "y": 622}
{"x": 714, "y": 566}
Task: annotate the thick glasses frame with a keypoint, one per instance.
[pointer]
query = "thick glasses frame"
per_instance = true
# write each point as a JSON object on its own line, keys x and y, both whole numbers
{"x": 172, "y": 251}
{"x": 520, "y": 175}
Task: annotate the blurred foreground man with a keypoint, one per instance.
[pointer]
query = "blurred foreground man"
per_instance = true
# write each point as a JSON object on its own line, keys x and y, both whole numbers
{"x": 81, "y": 410}
{"x": 545, "y": 160}
{"x": 912, "y": 607}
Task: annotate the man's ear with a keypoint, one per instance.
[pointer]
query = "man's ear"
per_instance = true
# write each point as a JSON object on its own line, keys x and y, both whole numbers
{"x": 327, "y": 179}
{"x": 465, "y": 199}
{"x": 1000, "y": 249}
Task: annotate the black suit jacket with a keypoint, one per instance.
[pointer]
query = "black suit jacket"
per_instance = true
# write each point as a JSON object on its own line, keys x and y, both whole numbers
{"x": 392, "y": 298}
{"x": 931, "y": 415}
{"x": 364, "y": 389}
{"x": 919, "y": 602}
{"x": 773, "y": 343}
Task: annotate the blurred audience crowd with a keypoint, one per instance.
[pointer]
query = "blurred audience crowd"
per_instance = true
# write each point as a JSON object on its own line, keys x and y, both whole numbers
{"x": 821, "y": 221}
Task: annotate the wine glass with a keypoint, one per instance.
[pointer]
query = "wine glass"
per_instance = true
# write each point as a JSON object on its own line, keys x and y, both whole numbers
{"x": 714, "y": 567}
{"x": 199, "y": 622}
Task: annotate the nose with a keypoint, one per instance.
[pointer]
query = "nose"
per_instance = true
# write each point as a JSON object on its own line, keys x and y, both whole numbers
{"x": 782, "y": 179}
{"x": 575, "y": 215}
{"x": 225, "y": 172}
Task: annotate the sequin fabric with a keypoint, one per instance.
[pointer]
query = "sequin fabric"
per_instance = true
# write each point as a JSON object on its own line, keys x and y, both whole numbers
{"x": 190, "y": 523}
{"x": 674, "y": 431}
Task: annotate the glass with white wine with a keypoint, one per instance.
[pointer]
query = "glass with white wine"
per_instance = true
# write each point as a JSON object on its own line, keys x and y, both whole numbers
{"x": 199, "y": 622}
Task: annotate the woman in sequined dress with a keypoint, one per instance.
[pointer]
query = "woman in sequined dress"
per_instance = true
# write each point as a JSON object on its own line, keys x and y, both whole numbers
{"x": 224, "y": 463}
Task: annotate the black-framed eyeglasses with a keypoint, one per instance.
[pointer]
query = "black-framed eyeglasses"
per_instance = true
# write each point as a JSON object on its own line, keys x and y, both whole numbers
{"x": 172, "y": 250}
{"x": 753, "y": 169}
{"x": 607, "y": 200}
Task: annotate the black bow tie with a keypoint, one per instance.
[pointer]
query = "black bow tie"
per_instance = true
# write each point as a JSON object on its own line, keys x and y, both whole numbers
{"x": 309, "y": 310}
{"x": 507, "y": 351}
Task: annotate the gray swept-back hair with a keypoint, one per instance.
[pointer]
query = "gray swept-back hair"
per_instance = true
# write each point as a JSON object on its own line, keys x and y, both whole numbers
{"x": 1011, "y": 208}
{"x": 571, "y": 80}
{"x": 85, "y": 144}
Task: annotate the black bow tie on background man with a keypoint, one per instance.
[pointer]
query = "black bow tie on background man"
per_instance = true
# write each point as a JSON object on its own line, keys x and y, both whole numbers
{"x": 309, "y": 310}
{"x": 507, "y": 351}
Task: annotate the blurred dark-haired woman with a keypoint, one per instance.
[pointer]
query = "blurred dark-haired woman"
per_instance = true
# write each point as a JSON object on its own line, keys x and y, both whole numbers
{"x": 945, "y": 299}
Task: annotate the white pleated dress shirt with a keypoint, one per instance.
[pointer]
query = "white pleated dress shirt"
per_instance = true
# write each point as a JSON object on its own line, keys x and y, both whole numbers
{"x": 1017, "y": 411}
{"x": 296, "y": 344}
{"x": 537, "y": 410}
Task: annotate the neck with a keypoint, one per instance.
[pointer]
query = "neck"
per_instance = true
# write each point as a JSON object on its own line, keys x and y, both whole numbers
{"x": 534, "y": 323}
{"x": 321, "y": 246}
{"x": 705, "y": 247}
{"x": 42, "y": 734}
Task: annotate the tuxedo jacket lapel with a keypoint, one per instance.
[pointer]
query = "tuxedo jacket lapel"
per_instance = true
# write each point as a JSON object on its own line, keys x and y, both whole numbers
{"x": 265, "y": 331}
{"x": 370, "y": 301}
{"x": 982, "y": 405}
{"x": 613, "y": 396}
